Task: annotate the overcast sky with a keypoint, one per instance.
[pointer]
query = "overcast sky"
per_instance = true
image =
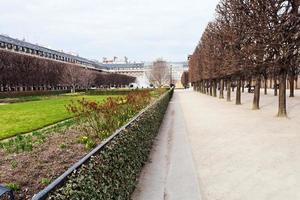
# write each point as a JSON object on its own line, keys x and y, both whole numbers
{"x": 139, "y": 29}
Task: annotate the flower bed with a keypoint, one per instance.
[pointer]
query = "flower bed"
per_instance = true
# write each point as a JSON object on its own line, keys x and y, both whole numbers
{"x": 112, "y": 171}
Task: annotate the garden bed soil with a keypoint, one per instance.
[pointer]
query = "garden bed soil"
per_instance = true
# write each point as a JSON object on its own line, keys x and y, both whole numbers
{"x": 30, "y": 170}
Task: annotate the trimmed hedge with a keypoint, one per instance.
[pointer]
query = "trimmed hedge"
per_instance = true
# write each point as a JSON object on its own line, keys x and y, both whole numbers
{"x": 114, "y": 171}
{"x": 113, "y": 92}
{"x": 16, "y": 94}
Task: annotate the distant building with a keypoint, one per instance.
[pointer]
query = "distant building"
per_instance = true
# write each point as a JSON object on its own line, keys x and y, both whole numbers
{"x": 23, "y": 47}
{"x": 177, "y": 70}
{"x": 116, "y": 65}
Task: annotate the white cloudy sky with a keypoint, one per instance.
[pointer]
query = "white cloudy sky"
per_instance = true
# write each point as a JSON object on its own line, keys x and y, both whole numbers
{"x": 140, "y": 29}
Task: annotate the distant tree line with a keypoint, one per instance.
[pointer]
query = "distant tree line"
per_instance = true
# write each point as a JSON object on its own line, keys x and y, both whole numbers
{"x": 19, "y": 72}
{"x": 248, "y": 43}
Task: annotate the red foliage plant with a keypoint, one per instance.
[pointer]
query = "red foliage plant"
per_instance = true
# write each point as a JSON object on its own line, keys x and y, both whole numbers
{"x": 99, "y": 120}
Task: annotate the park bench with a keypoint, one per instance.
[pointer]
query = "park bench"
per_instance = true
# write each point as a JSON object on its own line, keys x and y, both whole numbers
{"x": 6, "y": 191}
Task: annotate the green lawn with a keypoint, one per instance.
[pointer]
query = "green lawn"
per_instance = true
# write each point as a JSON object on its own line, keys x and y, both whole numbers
{"x": 24, "y": 117}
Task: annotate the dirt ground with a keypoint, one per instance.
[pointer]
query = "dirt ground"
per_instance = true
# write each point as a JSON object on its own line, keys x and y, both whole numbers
{"x": 47, "y": 161}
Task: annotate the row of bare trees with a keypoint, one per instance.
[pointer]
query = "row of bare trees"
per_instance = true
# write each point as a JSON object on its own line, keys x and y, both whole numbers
{"x": 185, "y": 79}
{"x": 250, "y": 41}
{"x": 19, "y": 72}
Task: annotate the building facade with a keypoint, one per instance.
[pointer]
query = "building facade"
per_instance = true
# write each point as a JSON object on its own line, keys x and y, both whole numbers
{"x": 130, "y": 69}
{"x": 23, "y": 47}
{"x": 177, "y": 69}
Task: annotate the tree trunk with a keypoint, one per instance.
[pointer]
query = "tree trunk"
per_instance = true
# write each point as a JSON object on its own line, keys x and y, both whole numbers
{"x": 228, "y": 91}
{"x": 214, "y": 88}
{"x": 256, "y": 97}
{"x": 249, "y": 84}
{"x": 266, "y": 86}
{"x": 275, "y": 87}
{"x": 207, "y": 87}
{"x": 221, "y": 89}
{"x": 200, "y": 86}
{"x": 292, "y": 85}
{"x": 210, "y": 88}
{"x": 238, "y": 93}
{"x": 282, "y": 95}
{"x": 243, "y": 86}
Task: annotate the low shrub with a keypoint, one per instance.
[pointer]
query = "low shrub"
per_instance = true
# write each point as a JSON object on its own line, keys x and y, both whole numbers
{"x": 31, "y": 93}
{"x": 114, "y": 92}
{"x": 13, "y": 186}
{"x": 99, "y": 120}
{"x": 112, "y": 173}
{"x": 45, "y": 181}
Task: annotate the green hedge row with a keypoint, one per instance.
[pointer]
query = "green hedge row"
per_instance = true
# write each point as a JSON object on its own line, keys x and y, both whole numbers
{"x": 113, "y": 172}
{"x": 31, "y": 93}
{"x": 17, "y": 94}
{"x": 113, "y": 92}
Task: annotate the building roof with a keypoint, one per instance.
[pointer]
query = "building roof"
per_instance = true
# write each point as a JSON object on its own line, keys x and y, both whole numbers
{"x": 25, "y": 44}
{"x": 122, "y": 65}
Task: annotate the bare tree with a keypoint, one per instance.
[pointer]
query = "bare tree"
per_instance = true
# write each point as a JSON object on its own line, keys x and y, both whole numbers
{"x": 185, "y": 79}
{"x": 71, "y": 76}
{"x": 87, "y": 78}
{"x": 20, "y": 72}
{"x": 249, "y": 40}
{"x": 159, "y": 74}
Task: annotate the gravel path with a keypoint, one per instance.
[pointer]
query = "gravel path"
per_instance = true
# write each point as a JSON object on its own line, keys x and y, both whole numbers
{"x": 171, "y": 173}
{"x": 241, "y": 153}
{"x": 237, "y": 153}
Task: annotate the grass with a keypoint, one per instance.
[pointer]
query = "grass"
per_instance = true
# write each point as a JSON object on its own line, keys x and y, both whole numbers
{"x": 18, "y": 118}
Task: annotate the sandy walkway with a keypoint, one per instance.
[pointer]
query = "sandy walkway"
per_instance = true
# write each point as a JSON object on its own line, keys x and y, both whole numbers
{"x": 242, "y": 154}
{"x": 237, "y": 153}
{"x": 171, "y": 174}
